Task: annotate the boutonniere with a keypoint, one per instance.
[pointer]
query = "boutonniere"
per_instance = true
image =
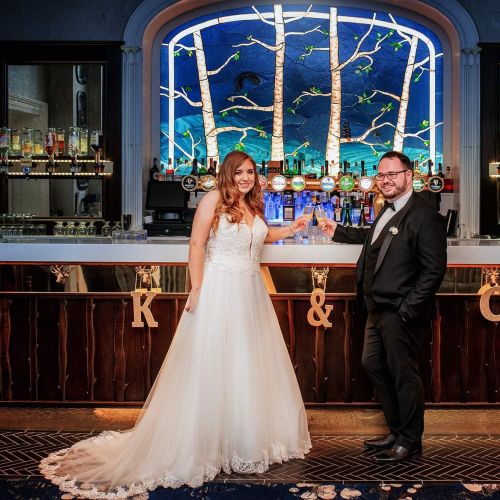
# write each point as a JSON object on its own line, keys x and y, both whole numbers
{"x": 393, "y": 230}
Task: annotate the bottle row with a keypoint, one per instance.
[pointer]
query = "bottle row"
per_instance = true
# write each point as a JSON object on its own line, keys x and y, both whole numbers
{"x": 349, "y": 209}
{"x": 29, "y": 142}
{"x": 283, "y": 176}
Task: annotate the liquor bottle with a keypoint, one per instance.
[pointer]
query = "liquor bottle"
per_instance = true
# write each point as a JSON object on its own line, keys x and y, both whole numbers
{"x": 194, "y": 169}
{"x": 300, "y": 166}
{"x": 263, "y": 168}
{"x": 363, "y": 171}
{"x": 299, "y": 204}
{"x": 347, "y": 214}
{"x": 288, "y": 171}
{"x": 169, "y": 174}
{"x": 355, "y": 170}
{"x": 440, "y": 171}
{"x": 295, "y": 169}
{"x": 269, "y": 210}
{"x": 211, "y": 167}
{"x": 322, "y": 173}
{"x": 154, "y": 171}
{"x": 429, "y": 172}
{"x": 163, "y": 171}
{"x": 362, "y": 216}
{"x": 448, "y": 181}
{"x": 338, "y": 212}
{"x": 288, "y": 207}
{"x": 202, "y": 170}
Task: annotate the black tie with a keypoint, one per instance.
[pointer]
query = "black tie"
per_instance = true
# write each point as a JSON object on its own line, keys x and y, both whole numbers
{"x": 389, "y": 204}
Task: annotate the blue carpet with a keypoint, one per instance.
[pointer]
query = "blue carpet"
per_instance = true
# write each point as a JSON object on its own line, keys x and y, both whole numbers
{"x": 36, "y": 488}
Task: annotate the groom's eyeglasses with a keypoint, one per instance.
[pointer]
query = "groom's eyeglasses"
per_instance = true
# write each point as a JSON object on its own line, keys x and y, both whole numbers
{"x": 389, "y": 175}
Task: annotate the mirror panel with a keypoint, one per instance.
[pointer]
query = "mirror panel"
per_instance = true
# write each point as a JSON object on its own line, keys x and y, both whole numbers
{"x": 55, "y": 95}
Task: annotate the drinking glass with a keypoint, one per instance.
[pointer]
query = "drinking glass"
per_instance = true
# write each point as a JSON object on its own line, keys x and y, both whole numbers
{"x": 91, "y": 230}
{"x": 308, "y": 214}
{"x": 106, "y": 229}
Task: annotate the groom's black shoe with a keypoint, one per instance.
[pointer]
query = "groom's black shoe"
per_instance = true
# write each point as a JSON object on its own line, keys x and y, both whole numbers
{"x": 380, "y": 443}
{"x": 398, "y": 453}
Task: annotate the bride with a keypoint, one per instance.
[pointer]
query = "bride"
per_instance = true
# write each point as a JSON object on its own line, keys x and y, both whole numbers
{"x": 226, "y": 396}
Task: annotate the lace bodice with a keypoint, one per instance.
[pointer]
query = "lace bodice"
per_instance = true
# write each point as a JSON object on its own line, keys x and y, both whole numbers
{"x": 236, "y": 246}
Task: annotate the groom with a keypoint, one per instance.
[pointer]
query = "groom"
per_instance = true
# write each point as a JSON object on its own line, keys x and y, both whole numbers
{"x": 400, "y": 268}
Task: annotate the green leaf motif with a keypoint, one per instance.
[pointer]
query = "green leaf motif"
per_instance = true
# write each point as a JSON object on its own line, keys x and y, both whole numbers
{"x": 190, "y": 53}
{"x": 186, "y": 133}
{"x": 224, "y": 114}
{"x": 239, "y": 146}
{"x": 187, "y": 89}
{"x": 424, "y": 124}
{"x": 236, "y": 56}
{"x": 290, "y": 110}
{"x": 426, "y": 143}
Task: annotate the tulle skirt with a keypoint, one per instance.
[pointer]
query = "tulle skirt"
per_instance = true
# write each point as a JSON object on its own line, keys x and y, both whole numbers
{"x": 226, "y": 398}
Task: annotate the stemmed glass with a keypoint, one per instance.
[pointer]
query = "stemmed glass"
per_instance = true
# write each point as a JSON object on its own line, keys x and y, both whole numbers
{"x": 321, "y": 217}
{"x": 308, "y": 214}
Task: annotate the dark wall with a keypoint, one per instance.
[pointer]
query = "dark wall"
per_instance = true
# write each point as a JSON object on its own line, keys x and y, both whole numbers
{"x": 55, "y": 20}
{"x": 106, "y": 19}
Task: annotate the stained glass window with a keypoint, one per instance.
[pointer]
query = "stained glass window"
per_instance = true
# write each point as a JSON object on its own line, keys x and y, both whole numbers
{"x": 298, "y": 81}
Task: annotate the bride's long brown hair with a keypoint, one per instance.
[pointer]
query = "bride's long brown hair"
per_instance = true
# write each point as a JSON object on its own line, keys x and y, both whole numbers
{"x": 230, "y": 194}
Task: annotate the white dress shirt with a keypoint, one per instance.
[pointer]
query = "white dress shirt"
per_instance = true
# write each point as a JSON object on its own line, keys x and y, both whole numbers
{"x": 389, "y": 214}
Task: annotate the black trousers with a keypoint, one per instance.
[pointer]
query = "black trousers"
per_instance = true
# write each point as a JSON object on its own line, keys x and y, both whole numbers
{"x": 391, "y": 355}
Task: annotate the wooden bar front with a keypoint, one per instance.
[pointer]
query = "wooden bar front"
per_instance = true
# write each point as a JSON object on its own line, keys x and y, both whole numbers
{"x": 69, "y": 348}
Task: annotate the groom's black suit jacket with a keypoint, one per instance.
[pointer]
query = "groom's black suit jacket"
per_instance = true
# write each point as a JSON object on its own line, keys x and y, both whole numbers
{"x": 411, "y": 262}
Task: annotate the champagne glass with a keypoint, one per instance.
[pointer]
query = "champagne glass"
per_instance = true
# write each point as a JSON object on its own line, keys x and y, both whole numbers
{"x": 321, "y": 217}
{"x": 308, "y": 214}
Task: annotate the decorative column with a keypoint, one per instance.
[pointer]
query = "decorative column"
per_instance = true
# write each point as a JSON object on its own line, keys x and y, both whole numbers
{"x": 132, "y": 134}
{"x": 470, "y": 163}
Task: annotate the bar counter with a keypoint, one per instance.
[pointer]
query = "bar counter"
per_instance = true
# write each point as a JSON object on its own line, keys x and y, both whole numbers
{"x": 67, "y": 313}
{"x": 164, "y": 250}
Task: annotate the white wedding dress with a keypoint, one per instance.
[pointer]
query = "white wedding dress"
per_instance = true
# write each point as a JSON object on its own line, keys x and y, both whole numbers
{"x": 226, "y": 396}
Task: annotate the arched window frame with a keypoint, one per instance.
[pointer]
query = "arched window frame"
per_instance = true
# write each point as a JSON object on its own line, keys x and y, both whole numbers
{"x": 153, "y": 19}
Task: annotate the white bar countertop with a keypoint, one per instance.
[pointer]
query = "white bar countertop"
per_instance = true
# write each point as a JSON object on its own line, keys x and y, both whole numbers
{"x": 174, "y": 250}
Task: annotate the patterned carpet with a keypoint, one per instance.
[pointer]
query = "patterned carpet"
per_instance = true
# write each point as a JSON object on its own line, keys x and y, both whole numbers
{"x": 468, "y": 459}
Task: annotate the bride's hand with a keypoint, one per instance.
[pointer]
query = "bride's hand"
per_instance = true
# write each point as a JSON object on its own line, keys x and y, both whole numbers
{"x": 298, "y": 224}
{"x": 328, "y": 227}
{"x": 192, "y": 300}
